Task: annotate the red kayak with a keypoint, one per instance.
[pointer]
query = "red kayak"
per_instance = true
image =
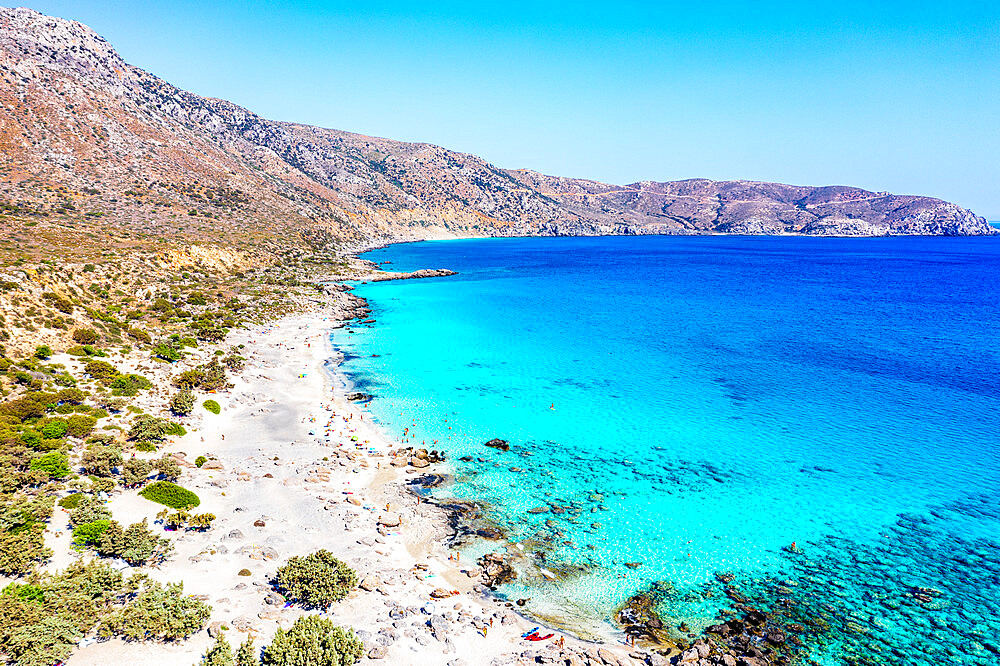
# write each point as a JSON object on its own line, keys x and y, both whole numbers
{"x": 536, "y": 637}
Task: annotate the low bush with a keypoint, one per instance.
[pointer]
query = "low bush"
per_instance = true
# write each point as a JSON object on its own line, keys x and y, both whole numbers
{"x": 70, "y": 502}
{"x": 129, "y": 385}
{"x": 166, "y": 350}
{"x": 102, "y": 371}
{"x": 80, "y": 425}
{"x": 182, "y": 403}
{"x": 54, "y": 463}
{"x": 212, "y": 406}
{"x": 135, "y": 544}
{"x": 208, "y": 377}
{"x": 170, "y": 494}
{"x": 135, "y": 471}
{"x": 158, "y": 612}
{"x": 43, "y": 352}
{"x": 101, "y": 484}
{"x": 316, "y": 580}
{"x": 20, "y": 551}
{"x": 167, "y": 468}
{"x": 85, "y": 336}
{"x": 101, "y": 459}
{"x": 88, "y": 534}
{"x": 90, "y": 509}
{"x": 315, "y": 641}
{"x": 220, "y": 654}
{"x": 148, "y": 428}
{"x": 71, "y": 396}
{"x": 199, "y": 522}
{"x": 200, "y": 460}
{"x": 54, "y": 429}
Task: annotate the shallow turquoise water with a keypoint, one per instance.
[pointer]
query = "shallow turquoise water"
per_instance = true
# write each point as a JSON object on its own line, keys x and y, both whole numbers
{"x": 716, "y": 399}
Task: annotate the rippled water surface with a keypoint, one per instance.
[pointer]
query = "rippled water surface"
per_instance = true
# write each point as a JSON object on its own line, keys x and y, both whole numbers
{"x": 695, "y": 405}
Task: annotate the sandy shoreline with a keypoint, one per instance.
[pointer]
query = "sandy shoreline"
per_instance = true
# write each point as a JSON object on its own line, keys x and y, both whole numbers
{"x": 297, "y": 468}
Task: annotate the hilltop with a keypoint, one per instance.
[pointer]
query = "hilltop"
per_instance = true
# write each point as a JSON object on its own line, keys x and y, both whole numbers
{"x": 89, "y": 139}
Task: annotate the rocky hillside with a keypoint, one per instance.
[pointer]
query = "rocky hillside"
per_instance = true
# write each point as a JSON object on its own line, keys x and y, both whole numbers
{"x": 86, "y": 137}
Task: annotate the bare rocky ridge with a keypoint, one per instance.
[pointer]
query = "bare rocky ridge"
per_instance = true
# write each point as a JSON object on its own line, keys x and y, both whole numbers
{"x": 127, "y": 145}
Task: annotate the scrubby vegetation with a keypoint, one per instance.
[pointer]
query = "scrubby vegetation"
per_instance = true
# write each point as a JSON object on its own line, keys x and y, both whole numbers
{"x": 182, "y": 403}
{"x": 316, "y": 580}
{"x": 212, "y": 406}
{"x": 206, "y": 377}
{"x": 157, "y": 612}
{"x": 182, "y": 519}
{"x": 170, "y": 494}
{"x": 45, "y": 618}
{"x": 313, "y": 640}
{"x": 123, "y": 310}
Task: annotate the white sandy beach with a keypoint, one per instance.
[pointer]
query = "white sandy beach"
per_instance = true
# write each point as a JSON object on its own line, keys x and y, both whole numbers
{"x": 295, "y": 467}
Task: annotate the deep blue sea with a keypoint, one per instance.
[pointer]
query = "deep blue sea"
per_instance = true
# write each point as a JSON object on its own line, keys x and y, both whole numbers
{"x": 691, "y": 406}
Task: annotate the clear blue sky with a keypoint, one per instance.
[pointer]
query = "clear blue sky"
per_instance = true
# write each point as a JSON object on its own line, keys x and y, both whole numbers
{"x": 899, "y": 96}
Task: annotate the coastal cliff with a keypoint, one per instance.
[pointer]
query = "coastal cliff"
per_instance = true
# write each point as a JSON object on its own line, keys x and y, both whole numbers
{"x": 85, "y": 135}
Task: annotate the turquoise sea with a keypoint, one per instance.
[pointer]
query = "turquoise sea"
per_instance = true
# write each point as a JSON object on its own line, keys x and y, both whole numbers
{"x": 691, "y": 406}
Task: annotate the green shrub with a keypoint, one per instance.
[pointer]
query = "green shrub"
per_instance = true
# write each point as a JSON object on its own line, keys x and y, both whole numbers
{"x": 135, "y": 544}
{"x": 47, "y": 641}
{"x": 198, "y": 522}
{"x": 200, "y": 460}
{"x": 212, "y": 406}
{"x": 80, "y": 425}
{"x": 27, "y": 406}
{"x": 316, "y": 580}
{"x": 85, "y": 336}
{"x": 89, "y": 510}
{"x": 84, "y": 350}
{"x": 55, "y": 429}
{"x": 208, "y": 377}
{"x": 31, "y": 438}
{"x": 25, "y": 592}
{"x": 246, "y": 654}
{"x": 315, "y": 641}
{"x": 234, "y": 361}
{"x": 88, "y": 534}
{"x": 175, "y": 429}
{"x": 102, "y": 371}
{"x": 220, "y": 654}
{"x": 161, "y": 305}
{"x": 166, "y": 350}
{"x": 70, "y": 502}
{"x": 135, "y": 471}
{"x": 148, "y": 428}
{"x": 43, "y": 352}
{"x": 72, "y": 396}
{"x": 54, "y": 463}
{"x": 167, "y": 468}
{"x": 101, "y": 484}
{"x": 182, "y": 403}
{"x": 159, "y": 612}
{"x": 60, "y": 303}
{"x": 20, "y": 551}
{"x": 129, "y": 385}
{"x": 101, "y": 459}
{"x": 170, "y": 494}
{"x": 138, "y": 334}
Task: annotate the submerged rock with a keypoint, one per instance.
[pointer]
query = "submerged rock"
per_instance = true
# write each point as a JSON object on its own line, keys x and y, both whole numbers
{"x": 497, "y": 443}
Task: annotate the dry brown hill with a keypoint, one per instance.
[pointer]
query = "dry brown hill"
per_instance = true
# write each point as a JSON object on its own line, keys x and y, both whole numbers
{"x": 105, "y": 147}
